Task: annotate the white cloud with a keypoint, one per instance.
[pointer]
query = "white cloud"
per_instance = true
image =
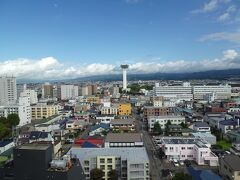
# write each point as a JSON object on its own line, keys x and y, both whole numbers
{"x": 207, "y": 7}
{"x": 224, "y": 17}
{"x": 50, "y": 68}
{"x": 230, "y": 54}
{"x": 233, "y": 37}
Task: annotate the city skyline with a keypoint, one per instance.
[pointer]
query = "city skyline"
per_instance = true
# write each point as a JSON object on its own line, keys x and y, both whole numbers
{"x": 57, "y": 39}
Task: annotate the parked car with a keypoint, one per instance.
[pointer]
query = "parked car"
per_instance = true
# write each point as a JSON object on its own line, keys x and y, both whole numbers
{"x": 175, "y": 163}
{"x": 181, "y": 163}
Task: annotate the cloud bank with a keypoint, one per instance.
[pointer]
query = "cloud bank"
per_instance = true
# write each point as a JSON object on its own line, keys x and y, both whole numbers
{"x": 51, "y": 68}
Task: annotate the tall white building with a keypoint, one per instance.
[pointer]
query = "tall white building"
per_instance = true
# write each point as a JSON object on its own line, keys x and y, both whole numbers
{"x": 175, "y": 93}
{"x": 124, "y": 68}
{"x": 23, "y": 109}
{"x": 30, "y": 93}
{"x": 8, "y": 90}
{"x": 219, "y": 91}
{"x": 69, "y": 92}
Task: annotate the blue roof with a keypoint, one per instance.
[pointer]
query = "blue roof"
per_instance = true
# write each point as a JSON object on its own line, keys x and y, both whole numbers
{"x": 5, "y": 142}
{"x": 201, "y": 124}
{"x": 38, "y": 134}
{"x": 233, "y": 122}
{"x": 87, "y": 144}
{"x": 102, "y": 125}
{"x": 203, "y": 174}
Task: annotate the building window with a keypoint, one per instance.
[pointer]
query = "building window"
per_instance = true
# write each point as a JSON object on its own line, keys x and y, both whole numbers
{"x": 102, "y": 160}
{"x": 183, "y": 148}
{"x": 102, "y": 167}
{"x": 86, "y": 163}
{"x": 109, "y": 167}
{"x": 109, "y": 160}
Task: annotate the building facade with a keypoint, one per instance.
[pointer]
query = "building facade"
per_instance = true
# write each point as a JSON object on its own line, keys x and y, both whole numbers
{"x": 43, "y": 110}
{"x": 130, "y": 163}
{"x": 8, "y": 90}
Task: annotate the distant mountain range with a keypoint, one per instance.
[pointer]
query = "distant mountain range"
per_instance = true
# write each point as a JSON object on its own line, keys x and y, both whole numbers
{"x": 213, "y": 74}
{"x": 233, "y": 74}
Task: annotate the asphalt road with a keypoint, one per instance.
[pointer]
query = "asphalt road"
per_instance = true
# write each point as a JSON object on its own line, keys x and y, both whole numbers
{"x": 155, "y": 163}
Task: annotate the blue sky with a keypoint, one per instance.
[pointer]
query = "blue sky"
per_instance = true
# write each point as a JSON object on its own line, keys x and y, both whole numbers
{"x": 85, "y": 37}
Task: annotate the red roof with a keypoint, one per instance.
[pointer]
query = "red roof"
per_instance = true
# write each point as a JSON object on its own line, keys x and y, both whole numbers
{"x": 95, "y": 141}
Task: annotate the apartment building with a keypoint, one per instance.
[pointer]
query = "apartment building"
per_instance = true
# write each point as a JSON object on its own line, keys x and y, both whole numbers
{"x": 47, "y": 90}
{"x": 107, "y": 110}
{"x": 162, "y": 120}
{"x": 176, "y": 93}
{"x": 229, "y": 167}
{"x": 194, "y": 149}
{"x": 130, "y": 163}
{"x": 219, "y": 91}
{"x": 8, "y": 90}
{"x": 23, "y": 110}
{"x": 69, "y": 92}
{"x": 42, "y": 110}
{"x": 124, "y": 109}
{"x": 32, "y": 94}
{"x": 125, "y": 125}
{"x": 157, "y": 111}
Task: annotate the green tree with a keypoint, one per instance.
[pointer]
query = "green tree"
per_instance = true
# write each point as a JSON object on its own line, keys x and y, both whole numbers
{"x": 13, "y": 119}
{"x": 96, "y": 174}
{"x": 157, "y": 128}
{"x": 184, "y": 125}
{"x": 167, "y": 127}
{"x": 4, "y": 131}
{"x": 182, "y": 176}
{"x": 113, "y": 175}
{"x": 4, "y": 121}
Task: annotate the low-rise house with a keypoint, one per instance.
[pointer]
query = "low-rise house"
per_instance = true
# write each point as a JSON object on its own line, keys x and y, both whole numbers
{"x": 202, "y": 127}
{"x": 98, "y": 129}
{"x": 82, "y": 116}
{"x": 213, "y": 119}
{"x": 229, "y": 167}
{"x": 123, "y": 140}
{"x": 73, "y": 125}
{"x": 177, "y": 130}
{"x": 125, "y": 125}
{"x": 40, "y": 136}
{"x": 233, "y": 136}
{"x": 228, "y": 125}
{"x": 179, "y": 148}
{"x": 235, "y": 149}
{"x": 105, "y": 118}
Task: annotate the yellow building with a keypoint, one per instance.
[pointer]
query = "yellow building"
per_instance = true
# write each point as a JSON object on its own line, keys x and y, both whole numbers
{"x": 124, "y": 109}
{"x": 106, "y": 164}
{"x": 93, "y": 99}
{"x": 41, "y": 111}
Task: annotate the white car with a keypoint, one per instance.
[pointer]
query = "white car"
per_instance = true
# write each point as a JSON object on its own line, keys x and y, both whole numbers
{"x": 181, "y": 163}
{"x": 176, "y": 164}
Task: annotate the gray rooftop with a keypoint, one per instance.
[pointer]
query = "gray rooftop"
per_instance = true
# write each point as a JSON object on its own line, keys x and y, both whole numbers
{"x": 132, "y": 154}
{"x": 178, "y": 140}
{"x": 233, "y": 161}
{"x": 201, "y": 124}
{"x": 34, "y": 146}
{"x": 123, "y": 137}
{"x": 122, "y": 121}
